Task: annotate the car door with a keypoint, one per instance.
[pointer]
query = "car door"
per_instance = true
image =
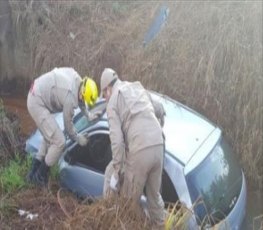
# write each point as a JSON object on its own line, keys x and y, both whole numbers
{"x": 82, "y": 168}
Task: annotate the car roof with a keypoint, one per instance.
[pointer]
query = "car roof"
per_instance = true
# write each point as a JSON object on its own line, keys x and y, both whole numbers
{"x": 185, "y": 130}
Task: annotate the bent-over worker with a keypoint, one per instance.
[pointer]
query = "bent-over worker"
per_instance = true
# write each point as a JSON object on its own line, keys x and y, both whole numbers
{"x": 60, "y": 90}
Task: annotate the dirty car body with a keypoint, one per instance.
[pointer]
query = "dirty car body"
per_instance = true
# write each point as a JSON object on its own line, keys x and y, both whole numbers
{"x": 199, "y": 167}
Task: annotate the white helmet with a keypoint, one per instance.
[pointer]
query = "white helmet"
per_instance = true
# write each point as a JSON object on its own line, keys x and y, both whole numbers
{"x": 107, "y": 76}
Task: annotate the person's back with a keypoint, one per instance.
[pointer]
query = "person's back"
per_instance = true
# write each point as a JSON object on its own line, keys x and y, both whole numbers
{"x": 55, "y": 86}
{"x": 140, "y": 125}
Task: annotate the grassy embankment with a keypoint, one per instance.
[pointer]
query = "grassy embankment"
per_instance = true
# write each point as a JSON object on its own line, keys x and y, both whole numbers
{"x": 208, "y": 55}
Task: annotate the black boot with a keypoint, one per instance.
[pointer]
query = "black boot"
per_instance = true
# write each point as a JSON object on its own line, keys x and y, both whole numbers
{"x": 41, "y": 176}
{"x": 35, "y": 165}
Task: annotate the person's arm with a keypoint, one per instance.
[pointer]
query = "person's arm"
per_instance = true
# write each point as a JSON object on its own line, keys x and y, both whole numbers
{"x": 68, "y": 113}
{"x": 158, "y": 110}
{"x": 117, "y": 140}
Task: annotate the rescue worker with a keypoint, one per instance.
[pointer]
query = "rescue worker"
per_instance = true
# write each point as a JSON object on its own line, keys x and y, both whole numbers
{"x": 160, "y": 114}
{"x": 61, "y": 89}
{"x": 136, "y": 142}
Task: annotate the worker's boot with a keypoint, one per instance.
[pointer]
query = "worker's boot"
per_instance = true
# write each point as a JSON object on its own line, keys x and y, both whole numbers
{"x": 35, "y": 165}
{"x": 41, "y": 176}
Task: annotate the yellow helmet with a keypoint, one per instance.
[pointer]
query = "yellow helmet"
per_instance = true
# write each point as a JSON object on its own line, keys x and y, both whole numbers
{"x": 89, "y": 91}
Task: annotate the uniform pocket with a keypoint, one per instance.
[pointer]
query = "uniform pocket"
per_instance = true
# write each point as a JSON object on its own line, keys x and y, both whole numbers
{"x": 48, "y": 127}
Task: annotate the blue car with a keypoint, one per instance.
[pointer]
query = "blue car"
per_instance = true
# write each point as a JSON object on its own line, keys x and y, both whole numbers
{"x": 200, "y": 169}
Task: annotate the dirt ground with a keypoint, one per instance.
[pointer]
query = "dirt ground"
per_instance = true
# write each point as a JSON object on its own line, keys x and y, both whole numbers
{"x": 44, "y": 203}
{"x": 17, "y": 106}
{"x": 54, "y": 208}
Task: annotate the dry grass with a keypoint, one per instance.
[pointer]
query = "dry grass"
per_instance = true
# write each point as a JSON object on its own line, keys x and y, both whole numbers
{"x": 58, "y": 209}
{"x": 209, "y": 56}
{"x": 11, "y": 139}
{"x": 258, "y": 223}
{"x": 38, "y": 201}
{"x": 115, "y": 213}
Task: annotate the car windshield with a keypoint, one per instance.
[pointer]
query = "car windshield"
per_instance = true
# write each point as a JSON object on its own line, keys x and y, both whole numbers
{"x": 81, "y": 122}
{"x": 215, "y": 184}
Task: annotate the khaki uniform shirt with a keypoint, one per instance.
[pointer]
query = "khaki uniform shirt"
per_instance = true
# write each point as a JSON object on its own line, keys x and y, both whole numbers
{"x": 59, "y": 91}
{"x": 133, "y": 124}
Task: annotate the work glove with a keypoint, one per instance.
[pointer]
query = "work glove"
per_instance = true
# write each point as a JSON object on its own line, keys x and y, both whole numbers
{"x": 82, "y": 140}
{"x": 114, "y": 183}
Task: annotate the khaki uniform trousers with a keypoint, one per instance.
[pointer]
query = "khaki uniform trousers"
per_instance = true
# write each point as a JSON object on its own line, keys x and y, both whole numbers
{"x": 143, "y": 169}
{"x": 53, "y": 138}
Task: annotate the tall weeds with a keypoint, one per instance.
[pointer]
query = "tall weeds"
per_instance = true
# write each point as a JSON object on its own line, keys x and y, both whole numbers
{"x": 11, "y": 142}
{"x": 208, "y": 55}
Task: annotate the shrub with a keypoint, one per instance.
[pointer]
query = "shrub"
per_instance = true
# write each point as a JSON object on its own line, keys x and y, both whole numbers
{"x": 12, "y": 176}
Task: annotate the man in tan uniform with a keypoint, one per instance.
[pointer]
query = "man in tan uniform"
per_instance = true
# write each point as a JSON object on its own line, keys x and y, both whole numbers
{"x": 60, "y": 90}
{"x": 160, "y": 114}
{"x": 136, "y": 141}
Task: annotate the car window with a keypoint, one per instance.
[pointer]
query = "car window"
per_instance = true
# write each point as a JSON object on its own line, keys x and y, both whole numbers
{"x": 168, "y": 192}
{"x": 96, "y": 155}
{"x": 80, "y": 120}
{"x": 216, "y": 182}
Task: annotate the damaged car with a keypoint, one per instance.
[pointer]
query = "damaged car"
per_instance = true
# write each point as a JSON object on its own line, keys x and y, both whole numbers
{"x": 200, "y": 169}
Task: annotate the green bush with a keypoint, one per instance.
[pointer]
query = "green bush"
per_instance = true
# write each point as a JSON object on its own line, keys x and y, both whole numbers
{"x": 54, "y": 172}
{"x": 12, "y": 176}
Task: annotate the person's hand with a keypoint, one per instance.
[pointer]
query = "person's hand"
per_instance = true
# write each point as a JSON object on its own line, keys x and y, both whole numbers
{"x": 114, "y": 183}
{"x": 82, "y": 140}
{"x": 94, "y": 115}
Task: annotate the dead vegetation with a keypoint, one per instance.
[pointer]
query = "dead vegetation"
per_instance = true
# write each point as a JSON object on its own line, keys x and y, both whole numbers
{"x": 208, "y": 55}
{"x": 36, "y": 201}
{"x": 56, "y": 209}
{"x": 11, "y": 139}
{"x": 115, "y": 213}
